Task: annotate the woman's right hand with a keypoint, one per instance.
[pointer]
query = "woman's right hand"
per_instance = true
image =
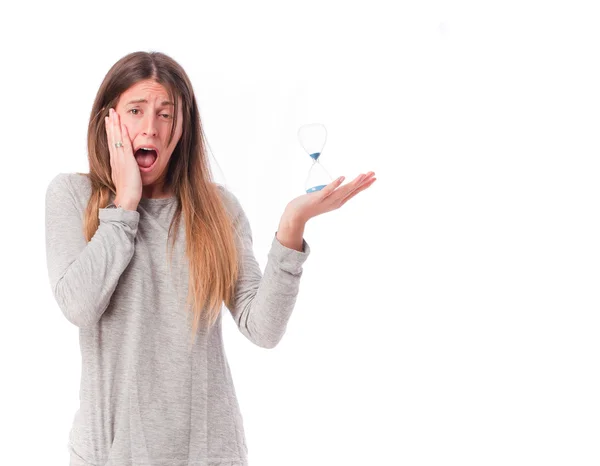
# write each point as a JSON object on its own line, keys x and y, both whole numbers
{"x": 125, "y": 171}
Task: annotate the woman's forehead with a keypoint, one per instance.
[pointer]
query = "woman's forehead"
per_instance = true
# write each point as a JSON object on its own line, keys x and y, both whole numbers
{"x": 147, "y": 91}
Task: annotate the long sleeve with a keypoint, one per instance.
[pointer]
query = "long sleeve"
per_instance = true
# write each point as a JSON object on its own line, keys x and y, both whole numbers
{"x": 83, "y": 275}
{"x": 264, "y": 303}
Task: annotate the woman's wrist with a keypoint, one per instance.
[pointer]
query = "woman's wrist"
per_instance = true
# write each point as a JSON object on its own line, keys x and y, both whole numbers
{"x": 126, "y": 204}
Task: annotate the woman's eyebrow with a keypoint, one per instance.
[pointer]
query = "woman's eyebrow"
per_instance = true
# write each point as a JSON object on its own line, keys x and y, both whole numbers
{"x": 139, "y": 101}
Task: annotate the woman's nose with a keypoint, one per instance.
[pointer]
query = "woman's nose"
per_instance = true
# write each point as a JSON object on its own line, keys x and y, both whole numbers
{"x": 149, "y": 126}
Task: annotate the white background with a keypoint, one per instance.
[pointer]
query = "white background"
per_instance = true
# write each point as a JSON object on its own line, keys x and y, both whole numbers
{"x": 448, "y": 315}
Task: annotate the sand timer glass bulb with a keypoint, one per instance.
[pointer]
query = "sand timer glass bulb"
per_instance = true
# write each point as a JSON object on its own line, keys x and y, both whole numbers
{"x": 312, "y": 137}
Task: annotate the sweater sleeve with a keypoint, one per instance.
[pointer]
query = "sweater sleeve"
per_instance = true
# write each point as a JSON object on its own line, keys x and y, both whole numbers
{"x": 264, "y": 303}
{"x": 83, "y": 275}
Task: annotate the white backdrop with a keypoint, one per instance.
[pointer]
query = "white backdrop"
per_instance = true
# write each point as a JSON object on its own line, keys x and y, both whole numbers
{"x": 447, "y": 315}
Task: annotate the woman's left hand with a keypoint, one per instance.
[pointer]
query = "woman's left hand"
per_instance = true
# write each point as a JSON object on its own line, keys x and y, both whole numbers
{"x": 329, "y": 198}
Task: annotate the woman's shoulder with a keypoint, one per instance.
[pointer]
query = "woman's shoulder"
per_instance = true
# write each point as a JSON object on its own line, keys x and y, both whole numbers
{"x": 229, "y": 199}
{"x": 76, "y": 185}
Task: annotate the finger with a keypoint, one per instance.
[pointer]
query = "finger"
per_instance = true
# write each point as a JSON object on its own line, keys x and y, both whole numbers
{"x": 126, "y": 141}
{"x": 356, "y": 191}
{"x": 361, "y": 180}
{"x": 347, "y": 189}
{"x": 368, "y": 176}
{"x": 109, "y": 139}
{"x": 331, "y": 187}
{"x": 116, "y": 128}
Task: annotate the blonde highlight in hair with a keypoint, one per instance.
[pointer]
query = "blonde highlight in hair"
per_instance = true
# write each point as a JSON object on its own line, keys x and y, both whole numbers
{"x": 210, "y": 238}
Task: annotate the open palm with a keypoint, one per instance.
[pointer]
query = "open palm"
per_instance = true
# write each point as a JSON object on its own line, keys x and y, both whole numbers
{"x": 331, "y": 197}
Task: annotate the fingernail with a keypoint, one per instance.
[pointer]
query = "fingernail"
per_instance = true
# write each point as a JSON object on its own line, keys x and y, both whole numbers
{"x": 341, "y": 178}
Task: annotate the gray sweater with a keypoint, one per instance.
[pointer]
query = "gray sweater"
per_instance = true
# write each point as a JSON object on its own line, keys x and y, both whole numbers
{"x": 146, "y": 399}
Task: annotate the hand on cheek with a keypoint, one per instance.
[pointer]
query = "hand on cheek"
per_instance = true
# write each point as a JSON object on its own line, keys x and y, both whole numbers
{"x": 121, "y": 121}
{"x": 128, "y": 131}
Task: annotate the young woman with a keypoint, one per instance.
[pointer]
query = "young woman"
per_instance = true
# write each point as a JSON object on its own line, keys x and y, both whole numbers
{"x": 142, "y": 252}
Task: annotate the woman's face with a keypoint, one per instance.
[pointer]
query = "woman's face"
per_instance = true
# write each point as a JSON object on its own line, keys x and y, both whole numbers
{"x": 147, "y": 114}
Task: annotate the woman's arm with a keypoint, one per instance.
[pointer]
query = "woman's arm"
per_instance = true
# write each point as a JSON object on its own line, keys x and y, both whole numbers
{"x": 291, "y": 232}
{"x": 83, "y": 275}
{"x": 264, "y": 303}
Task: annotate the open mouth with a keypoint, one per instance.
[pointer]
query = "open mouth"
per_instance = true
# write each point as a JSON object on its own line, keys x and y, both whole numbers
{"x": 146, "y": 159}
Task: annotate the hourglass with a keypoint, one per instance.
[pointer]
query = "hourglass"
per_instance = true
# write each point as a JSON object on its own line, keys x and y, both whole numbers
{"x": 312, "y": 137}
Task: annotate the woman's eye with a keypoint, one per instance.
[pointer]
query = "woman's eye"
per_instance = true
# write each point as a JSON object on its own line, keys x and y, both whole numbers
{"x": 166, "y": 115}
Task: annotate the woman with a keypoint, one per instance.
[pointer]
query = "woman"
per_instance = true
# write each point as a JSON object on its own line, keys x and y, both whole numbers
{"x": 149, "y": 395}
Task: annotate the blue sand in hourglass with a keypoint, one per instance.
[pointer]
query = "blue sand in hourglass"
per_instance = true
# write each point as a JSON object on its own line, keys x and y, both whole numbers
{"x": 315, "y": 156}
{"x": 312, "y": 138}
{"x": 319, "y": 187}
{"x": 315, "y": 188}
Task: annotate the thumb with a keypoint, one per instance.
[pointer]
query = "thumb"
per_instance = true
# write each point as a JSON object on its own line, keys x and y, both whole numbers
{"x": 333, "y": 185}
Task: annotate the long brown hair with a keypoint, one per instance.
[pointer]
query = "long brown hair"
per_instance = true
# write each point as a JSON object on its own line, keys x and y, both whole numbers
{"x": 211, "y": 247}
